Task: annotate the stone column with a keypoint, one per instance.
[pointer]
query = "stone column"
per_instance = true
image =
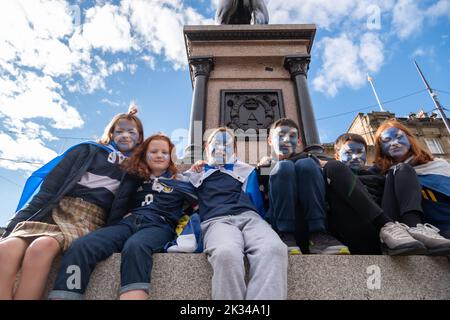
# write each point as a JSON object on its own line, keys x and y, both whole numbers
{"x": 200, "y": 69}
{"x": 298, "y": 66}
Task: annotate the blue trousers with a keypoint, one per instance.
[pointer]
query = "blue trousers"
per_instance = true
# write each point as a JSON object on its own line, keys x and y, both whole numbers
{"x": 136, "y": 236}
{"x": 297, "y": 189}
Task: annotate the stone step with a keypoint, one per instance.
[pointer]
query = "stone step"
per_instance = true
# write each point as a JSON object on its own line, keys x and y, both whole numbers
{"x": 188, "y": 276}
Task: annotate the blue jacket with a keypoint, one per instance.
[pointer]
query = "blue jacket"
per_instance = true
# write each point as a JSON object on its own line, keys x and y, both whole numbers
{"x": 50, "y": 183}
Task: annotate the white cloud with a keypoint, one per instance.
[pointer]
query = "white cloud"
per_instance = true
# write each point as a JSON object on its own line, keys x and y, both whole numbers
{"x": 439, "y": 9}
{"x": 407, "y": 18}
{"x": 159, "y": 25}
{"x": 30, "y": 96}
{"x": 24, "y": 150}
{"x": 108, "y": 29}
{"x": 423, "y": 52}
{"x": 346, "y": 62}
{"x": 109, "y": 102}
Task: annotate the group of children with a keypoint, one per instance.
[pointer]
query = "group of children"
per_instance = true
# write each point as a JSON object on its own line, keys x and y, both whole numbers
{"x": 125, "y": 194}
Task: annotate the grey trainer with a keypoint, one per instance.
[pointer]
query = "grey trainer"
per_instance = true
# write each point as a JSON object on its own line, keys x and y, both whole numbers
{"x": 430, "y": 237}
{"x": 396, "y": 240}
{"x": 324, "y": 243}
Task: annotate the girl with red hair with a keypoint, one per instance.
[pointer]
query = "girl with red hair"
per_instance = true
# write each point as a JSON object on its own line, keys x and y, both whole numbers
{"x": 153, "y": 194}
{"x": 417, "y": 187}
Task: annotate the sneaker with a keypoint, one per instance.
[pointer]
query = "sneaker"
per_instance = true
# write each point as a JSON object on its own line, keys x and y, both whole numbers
{"x": 323, "y": 243}
{"x": 288, "y": 238}
{"x": 294, "y": 250}
{"x": 396, "y": 240}
{"x": 430, "y": 237}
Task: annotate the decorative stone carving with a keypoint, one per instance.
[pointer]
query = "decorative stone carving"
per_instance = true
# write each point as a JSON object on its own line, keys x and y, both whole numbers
{"x": 297, "y": 65}
{"x": 241, "y": 109}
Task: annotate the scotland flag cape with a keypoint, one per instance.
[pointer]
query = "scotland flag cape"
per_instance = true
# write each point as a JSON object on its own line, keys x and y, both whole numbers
{"x": 34, "y": 182}
{"x": 434, "y": 177}
{"x": 190, "y": 239}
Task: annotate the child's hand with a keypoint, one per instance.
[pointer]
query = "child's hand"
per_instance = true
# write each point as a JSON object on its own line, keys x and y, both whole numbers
{"x": 264, "y": 162}
{"x": 198, "y": 166}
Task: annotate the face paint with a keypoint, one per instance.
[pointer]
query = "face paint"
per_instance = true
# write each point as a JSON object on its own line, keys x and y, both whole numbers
{"x": 221, "y": 149}
{"x": 353, "y": 155}
{"x": 151, "y": 157}
{"x": 394, "y": 143}
{"x": 125, "y": 135}
{"x": 158, "y": 157}
{"x": 284, "y": 140}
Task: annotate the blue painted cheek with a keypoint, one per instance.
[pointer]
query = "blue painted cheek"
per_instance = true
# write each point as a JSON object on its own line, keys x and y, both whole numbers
{"x": 364, "y": 157}
{"x": 293, "y": 142}
{"x": 345, "y": 158}
{"x": 404, "y": 141}
{"x": 385, "y": 146}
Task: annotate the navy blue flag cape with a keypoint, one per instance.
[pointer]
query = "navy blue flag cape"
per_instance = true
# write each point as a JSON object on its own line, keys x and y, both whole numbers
{"x": 34, "y": 182}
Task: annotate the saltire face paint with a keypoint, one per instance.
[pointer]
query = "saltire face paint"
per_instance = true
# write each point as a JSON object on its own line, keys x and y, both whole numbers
{"x": 353, "y": 154}
{"x": 221, "y": 149}
{"x": 284, "y": 140}
{"x": 151, "y": 157}
{"x": 125, "y": 135}
{"x": 394, "y": 143}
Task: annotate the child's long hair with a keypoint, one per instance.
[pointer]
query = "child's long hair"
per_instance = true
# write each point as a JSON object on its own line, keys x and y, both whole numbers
{"x": 384, "y": 162}
{"x": 130, "y": 116}
{"x": 137, "y": 163}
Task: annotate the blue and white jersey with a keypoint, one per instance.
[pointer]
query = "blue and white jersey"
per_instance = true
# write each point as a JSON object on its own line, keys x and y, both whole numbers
{"x": 164, "y": 196}
{"x": 101, "y": 181}
{"x": 227, "y": 190}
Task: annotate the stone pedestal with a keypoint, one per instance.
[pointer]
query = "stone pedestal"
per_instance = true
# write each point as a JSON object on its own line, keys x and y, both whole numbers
{"x": 246, "y": 77}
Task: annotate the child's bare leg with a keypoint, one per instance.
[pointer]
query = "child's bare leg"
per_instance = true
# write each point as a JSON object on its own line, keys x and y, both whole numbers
{"x": 134, "y": 295}
{"x": 12, "y": 251}
{"x": 36, "y": 267}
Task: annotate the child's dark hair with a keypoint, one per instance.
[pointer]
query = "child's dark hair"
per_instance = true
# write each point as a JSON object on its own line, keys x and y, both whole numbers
{"x": 284, "y": 122}
{"x": 343, "y": 138}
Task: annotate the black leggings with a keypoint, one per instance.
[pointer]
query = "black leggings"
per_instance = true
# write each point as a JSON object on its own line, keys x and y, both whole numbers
{"x": 402, "y": 193}
{"x": 352, "y": 210}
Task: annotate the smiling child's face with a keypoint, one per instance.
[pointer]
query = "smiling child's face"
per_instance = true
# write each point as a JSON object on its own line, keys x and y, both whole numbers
{"x": 394, "y": 143}
{"x": 158, "y": 156}
{"x": 125, "y": 135}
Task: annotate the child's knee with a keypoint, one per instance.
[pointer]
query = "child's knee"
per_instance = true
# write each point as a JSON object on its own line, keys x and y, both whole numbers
{"x": 307, "y": 166}
{"x": 11, "y": 250}
{"x": 43, "y": 248}
{"x": 228, "y": 256}
{"x": 135, "y": 247}
{"x": 283, "y": 169}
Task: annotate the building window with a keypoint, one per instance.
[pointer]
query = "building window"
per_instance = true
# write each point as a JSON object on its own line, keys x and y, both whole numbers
{"x": 434, "y": 146}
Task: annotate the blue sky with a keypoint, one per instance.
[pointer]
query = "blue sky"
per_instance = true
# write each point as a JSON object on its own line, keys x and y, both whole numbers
{"x": 67, "y": 67}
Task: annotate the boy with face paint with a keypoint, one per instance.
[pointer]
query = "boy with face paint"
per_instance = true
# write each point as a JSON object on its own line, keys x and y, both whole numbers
{"x": 295, "y": 189}
{"x": 417, "y": 188}
{"x": 354, "y": 197}
{"x": 231, "y": 212}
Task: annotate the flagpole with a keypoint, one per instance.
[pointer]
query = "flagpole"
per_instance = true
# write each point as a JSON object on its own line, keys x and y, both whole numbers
{"x": 369, "y": 78}
{"x": 433, "y": 96}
